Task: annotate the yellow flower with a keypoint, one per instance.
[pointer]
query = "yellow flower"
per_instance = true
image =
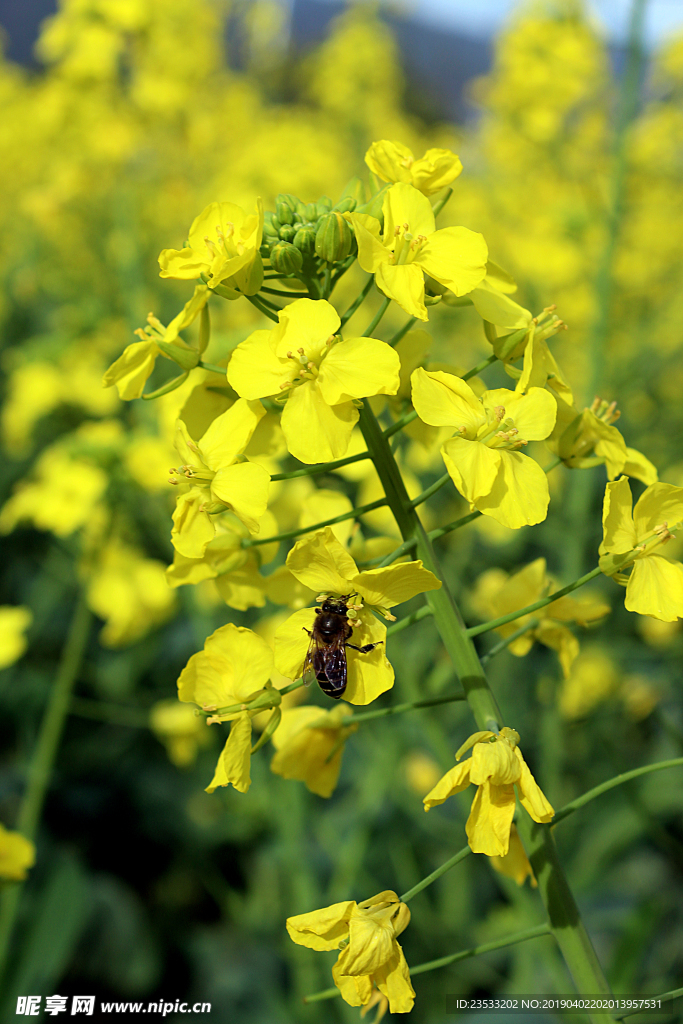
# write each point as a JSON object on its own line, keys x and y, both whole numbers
{"x": 498, "y": 594}
{"x": 320, "y": 562}
{"x": 594, "y": 677}
{"x": 589, "y": 438}
{"x": 496, "y": 766}
{"x": 218, "y": 478}
{"x": 515, "y": 864}
{"x": 180, "y": 730}
{"x": 233, "y": 668}
{"x": 655, "y": 585}
{"x": 17, "y": 855}
{"x": 392, "y": 161}
{"x": 61, "y": 497}
{"x": 223, "y": 245}
{"x": 323, "y": 376}
{"x": 132, "y": 369}
{"x": 129, "y": 592}
{"x": 13, "y": 625}
{"x": 309, "y": 744}
{"x": 370, "y": 956}
{"x": 411, "y": 247}
{"x": 484, "y": 460}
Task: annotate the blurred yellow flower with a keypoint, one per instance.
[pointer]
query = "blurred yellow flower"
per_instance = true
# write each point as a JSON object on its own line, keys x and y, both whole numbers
{"x": 61, "y": 497}
{"x": 496, "y": 766}
{"x": 515, "y": 864}
{"x": 180, "y": 730}
{"x": 13, "y": 625}
{"x": 17, "y": 855}
{"x": 309, "y": 744}
{"x": 370, "y": 956}
{"x": 392, "y": 161}
{"x": 594, "y": 678}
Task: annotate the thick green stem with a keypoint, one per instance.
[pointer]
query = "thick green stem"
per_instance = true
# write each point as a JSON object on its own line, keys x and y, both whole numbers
{"x": 563, "y": 914}
{"x": 43, "y": 757}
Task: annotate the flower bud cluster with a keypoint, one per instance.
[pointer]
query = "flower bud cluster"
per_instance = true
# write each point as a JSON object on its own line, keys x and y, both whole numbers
{"x": 299, "y": 237}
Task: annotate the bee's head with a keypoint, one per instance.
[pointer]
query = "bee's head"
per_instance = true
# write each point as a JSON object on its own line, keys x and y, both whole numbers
{"x": 335, "y": 605}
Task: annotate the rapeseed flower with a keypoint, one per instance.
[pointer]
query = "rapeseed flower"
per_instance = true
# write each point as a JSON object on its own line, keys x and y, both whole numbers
{"x": 411, "y": 247}
{"x": 13, "y": 625}
{"x": 496, "y": 767}
{"x": 635, "y": 538}
{"x": 234, "y": 667}
{"x": 515, "y": 864}
{"x": 392, "y": 161}
{"x": 589, "y": 438}
{"x": 320, "y": 562}
{"x": 17, "y": 855}
{"x": 323, "y": 377}
{"x": 370, "y": 956}
{"x": 309, "y": 744}
{"x": 483, "y": 459}
{"x": 179, "y": 729}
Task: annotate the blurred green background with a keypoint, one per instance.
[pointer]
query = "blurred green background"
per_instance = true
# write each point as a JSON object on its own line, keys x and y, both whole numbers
{"x": 144, "y": 886}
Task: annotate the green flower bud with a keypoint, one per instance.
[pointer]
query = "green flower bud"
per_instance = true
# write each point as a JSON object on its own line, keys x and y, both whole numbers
{"x": 323, "y": 206}
{"x": 285, "y": 214}
{"x": 300, "y": 211}
{"x": 269, "y": 227}
{"x": 285, "y": 258}
{"x": 334, "y": 238}
{"x": 304, "y": 239}
{"x": 311, "y": 211}
{"x": 287, "y": 232}
{"x": 288, "y": 199}
{"x": 346, "y": 205}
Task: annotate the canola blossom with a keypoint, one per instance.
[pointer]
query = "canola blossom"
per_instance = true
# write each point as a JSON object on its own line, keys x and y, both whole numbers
{"x": 496, "y": 767}
{"x": 320, "y": 375}
{"x": 370, "y": 956}
{"x": 483, "y": 459}
{"x": 394, "y": 162}
{"x": 309, "y": 744}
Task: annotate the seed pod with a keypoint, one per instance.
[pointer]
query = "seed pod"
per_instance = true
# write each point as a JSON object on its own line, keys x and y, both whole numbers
{"x": 287, "y": 232}
{"x": 285, "y": 214}
{"x": 304, "y": 239}
{"x": 285, "y": 258}
{"x": 333, "y": 239}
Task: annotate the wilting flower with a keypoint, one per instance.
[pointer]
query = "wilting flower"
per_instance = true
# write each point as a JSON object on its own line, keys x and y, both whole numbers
{"x": 411, "y": 247}
{"x": 17, "y": 855}
{"x": 497, "y": 594}
{"x": 483, "y": 459}
{"x": 320, "y": 562}
{"x": 223, "y": 246}
{"x": 589, "y": 438}
{"x": 234, "y": 668}
{"x": 218, "y": 478}
{"x": 392, "y": 161}
{"x": 370, "y": 956}
{"x": 496, "y": 767}
{"x": 322, "y": 376}
{"x": 515, "y": 864}
{"x": 13, "y": 625}
{"x": 655, "y": 585}
{"x": 309, "y": 744}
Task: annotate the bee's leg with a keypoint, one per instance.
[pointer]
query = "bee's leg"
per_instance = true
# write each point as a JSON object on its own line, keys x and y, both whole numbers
{"x": 366, "y": 648}
{"x": 307, "y": 631}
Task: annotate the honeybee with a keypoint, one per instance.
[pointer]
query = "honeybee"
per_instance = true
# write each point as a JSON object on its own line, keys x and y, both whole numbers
{"x": 325, "y": 659}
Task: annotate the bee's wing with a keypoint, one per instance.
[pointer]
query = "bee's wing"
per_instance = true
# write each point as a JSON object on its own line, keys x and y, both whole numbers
{"x": 309, "y": 672}
{"x": 332, "y": 668}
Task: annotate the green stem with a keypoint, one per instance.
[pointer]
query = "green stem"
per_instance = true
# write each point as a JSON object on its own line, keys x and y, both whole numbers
{"x": 508, "y": 640}
{"x": 251, "y": 542}
{"x": 376, "y": 319}
{"x": 400, "y": 423}
{"x": 426, "y": 494}
{"x": 359, "y": 301}
{"x": 325, "y": 467}
{"x": 277, "y": 291}
{"x": 674, "y": 994}
{"x": 479, "y": 367}
{"x": 563, "y": 914}
{"x": 43, "y": 757}
{"x": 446, "y": 866}
{"x": 212, "y": 367}
{"x": 618, "y": 780}
{"x": 398, "y": 709}
{"x": 394, "y": 340}
{"x": 504, "y": 619}
{"x": 422, "y": 613}
{"x": 261, "y": 308}
{"x": 440, "y": 203}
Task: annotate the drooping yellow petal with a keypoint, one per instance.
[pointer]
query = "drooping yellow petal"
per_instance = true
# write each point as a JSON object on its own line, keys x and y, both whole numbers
{"x": 192, "y": 527}
{"x": 494, "y": 762}
{"x": 560, "y": 639}
{"x": 640, "y": 467}
{"x": 394, "y": 584}
{"x": 456, "y": 258}
{"x": 311, "y": 755}
{"x": 188, "y": 313}
{"x": 229, "y": 433}
{"x": 490, "y": 820}
{"x": 531, "y": 796}
{"x": 358, "y": 368}
{"x": 454, "y": 781}
{"x": 519, "y": 495}
{"x": 130, "y": 371}
{"x": 371, "y": 940}
{"x": 314, "y": 430}
{"x": 660, "y": 503}
{"x": 655, "y": 587}
{"x": 619, "y": 533}
{"x": 356, "y": 991}
{"x": 320, "y": 562}
{"x": 255, "y": 370}
{"x": 515, "y": 864}
{"x": 321, "y": 929}
{"x": 235, "y": 761}
{"x": 404, "y": 284}
{"x": 444, "y": 400}
{"x": 244, "y": 488}
{"x": 393, "y": 981}
{"x": 474, "y": 469}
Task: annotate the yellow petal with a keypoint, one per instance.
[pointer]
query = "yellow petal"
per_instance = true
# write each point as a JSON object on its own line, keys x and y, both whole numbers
{"x": 17, "y": 855}
{"x": 404, "y": 204}
{"x": 660, "y": 503}
{"x": 640, "y": 467}
{"x": 291, "y": 642}
{"x": 307, "y": 324}
{"x": 314, "y": 430}
{"x": 371, "y": 674}
{"x": 515, "y": 864}
{"x": 371, "y": 252}
{"x": 242, "y": 658}
{"x": 182, "y": 264}
{"x": 405, "y": 285}
{"x": 456, "y": 258}
{"x": 533, "y": 414}
{"x": 494, "y": 762}
{"x": 619, "y": 533}
{"x": 255, "y": 370}
{"x": 394, "y": 584}
{"x": 188, "y": 313}
{"x": 371, "y": 940}
{"x": 499, "y": 309}
{"x": 320, "y": 562}
{"x": 393, "y": 981}
{"x": 519, "y": 495}
{"x": 244, "y": 488}
{"x": 490, "y": 820}
{"x": 358, "y": 368}
{"x": 454, "y": 781}
{"x": 229, "y": 433}
{"x": 192, "y": 527}
{"x": 444, "y": 400}
{"x": 242, "y": 588}
{"x": 390, "y": 161}
{"x": 474, "y": 468}
{"x": 304, "y": 753}
{"x": 559, "y": 639}
{"x": 235, "y": 761}
{"x": 531, "y": 796}
{"x": 432, "y": 172}
{"x": 655, "y": 587}
{"x": 130, "y": 371}
{"x": 321, "y": 929}
{"x": 356, "y": 991}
